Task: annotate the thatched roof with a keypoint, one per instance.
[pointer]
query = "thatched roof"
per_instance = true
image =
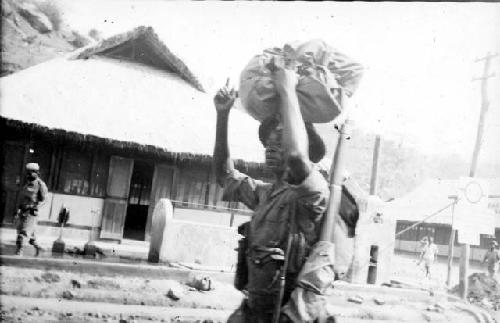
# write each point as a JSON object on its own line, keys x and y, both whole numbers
{"x": 124, "y": 103}
{"x": 431, "y": 196}
{"x": 143, "y": 45}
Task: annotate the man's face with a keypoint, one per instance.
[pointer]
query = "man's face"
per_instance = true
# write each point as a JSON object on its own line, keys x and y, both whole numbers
{"x": 274, "y": 151}
{"x": 32, "y": 174}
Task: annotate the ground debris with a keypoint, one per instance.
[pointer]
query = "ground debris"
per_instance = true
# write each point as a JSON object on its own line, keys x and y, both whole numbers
{"x": 103, "y": 283}
{"x": 50, "y": 277}
{"x": 201, "y": 283}
{"x": 174, "y": 294}
{"x": 67, "y": 295}
{"x": 355, "y": 299}
{"x": 75, "y": 283}
{"x": 435, "y": 308}
{"x": 484, "y": 291}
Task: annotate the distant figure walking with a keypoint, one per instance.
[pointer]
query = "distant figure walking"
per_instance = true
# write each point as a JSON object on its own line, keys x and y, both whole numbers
{"x": 32, "y": 195}
{"x": 428, "y": 255}
{"x": 492, "y": 258}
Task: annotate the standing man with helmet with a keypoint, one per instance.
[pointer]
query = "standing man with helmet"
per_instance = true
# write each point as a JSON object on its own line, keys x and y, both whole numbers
{"x": 32, "y": 195}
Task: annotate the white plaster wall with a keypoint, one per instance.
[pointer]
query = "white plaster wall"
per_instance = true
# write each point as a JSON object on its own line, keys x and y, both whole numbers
{"x": 85, "y": 211}
{"x": 174, "y": 240}
{"x": 193, "y": 242}
{"x": 370, "y": 233}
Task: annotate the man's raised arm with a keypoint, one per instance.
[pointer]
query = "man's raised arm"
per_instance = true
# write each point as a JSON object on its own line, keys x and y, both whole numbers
{"x": 223, "y": 100}
{"x": 294, "y": 140}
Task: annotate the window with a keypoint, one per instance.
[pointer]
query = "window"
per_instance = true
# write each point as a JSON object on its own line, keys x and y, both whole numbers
{"x": 74, "y": 174}
{"x": 410, "y": 235}
{"x": 99, "y": 176}
{"x": 442, "y": 236}
{"x": 82, "y": 173}
{"x": 197, "y": 189}
{"x": 192, "y": 188}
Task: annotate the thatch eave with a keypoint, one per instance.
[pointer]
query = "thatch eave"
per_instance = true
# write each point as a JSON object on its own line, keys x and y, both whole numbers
{"x": 96, "y": 141}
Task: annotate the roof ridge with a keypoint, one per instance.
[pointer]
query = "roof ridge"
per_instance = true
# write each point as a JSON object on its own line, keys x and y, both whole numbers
{"x": 147, "y": 31}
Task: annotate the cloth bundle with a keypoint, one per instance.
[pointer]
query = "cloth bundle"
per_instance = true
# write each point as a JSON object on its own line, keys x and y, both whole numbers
{"x": 323, "y": 72}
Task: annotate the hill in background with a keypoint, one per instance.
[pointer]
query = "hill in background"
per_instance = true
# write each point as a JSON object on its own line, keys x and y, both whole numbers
{"x": 34, "y": 32}
{"x": 401, "y": 167}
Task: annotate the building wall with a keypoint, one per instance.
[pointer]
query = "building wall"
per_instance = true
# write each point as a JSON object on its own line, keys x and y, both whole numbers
{"x": 373, "y": 230}
{"x": 410, "y": 241}
{"x": 85, "y": 214}
{"x": 76, "y": 174}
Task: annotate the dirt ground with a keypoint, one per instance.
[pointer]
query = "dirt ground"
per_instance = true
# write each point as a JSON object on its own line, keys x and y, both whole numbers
{"x": 18, "y": 284}
{"x": 32, "y": 295}
{"x": 404, "y": 267}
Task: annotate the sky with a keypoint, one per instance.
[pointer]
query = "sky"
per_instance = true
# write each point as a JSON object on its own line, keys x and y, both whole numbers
{"x": 419, "y": 58}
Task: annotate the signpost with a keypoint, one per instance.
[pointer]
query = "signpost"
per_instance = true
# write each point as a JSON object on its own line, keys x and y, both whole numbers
{"x": 472, "y": 216}
{"x": 464, "y": 257}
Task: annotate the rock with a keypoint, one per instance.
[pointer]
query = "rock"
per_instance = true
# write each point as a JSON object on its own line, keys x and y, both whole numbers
{"x": 67, "y": 295}
{"x": 6, "y": 8}
{"x": 201, "y": 283}
{"x": 437, "y": 308}
{"x": 75, "y": 283}
{"x": 355, "y": 299}
{"x": 103, "y": 283}
{"x": 173, "y": 294}
{"x": 36, "y": 18}
{"x": 50, "y": 277}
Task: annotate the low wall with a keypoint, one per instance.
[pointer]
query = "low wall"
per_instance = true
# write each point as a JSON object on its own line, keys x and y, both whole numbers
{"x": 374, "y": 229}
{"x": 85, "y": 213}
{"x": 206, "y": 244}
{"x": 174, "y": 240}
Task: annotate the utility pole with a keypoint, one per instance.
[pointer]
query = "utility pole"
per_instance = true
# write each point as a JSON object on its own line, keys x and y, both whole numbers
{"x": 464, "y": 257}
{"x": 374, "y": 178}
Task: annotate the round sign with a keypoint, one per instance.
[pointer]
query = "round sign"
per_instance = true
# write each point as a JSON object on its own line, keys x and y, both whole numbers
{"x": 473, "y": 192}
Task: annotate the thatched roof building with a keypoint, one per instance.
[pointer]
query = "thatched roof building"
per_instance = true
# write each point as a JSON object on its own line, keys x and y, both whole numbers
{"x": 116, "y": 127}
{"x": 128, "y": 91}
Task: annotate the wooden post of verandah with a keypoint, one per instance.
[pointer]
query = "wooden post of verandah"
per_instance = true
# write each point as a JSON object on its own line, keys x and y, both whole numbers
{"x": 465, "y": 255}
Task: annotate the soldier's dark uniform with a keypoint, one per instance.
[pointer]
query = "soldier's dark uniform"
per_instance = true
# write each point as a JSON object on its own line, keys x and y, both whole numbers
{"x": 32, "y": 194}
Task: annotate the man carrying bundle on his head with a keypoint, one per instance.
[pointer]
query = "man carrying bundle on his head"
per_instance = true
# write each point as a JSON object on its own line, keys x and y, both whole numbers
{"x": 286, "y": 90}
{"x": 296, "y": 201}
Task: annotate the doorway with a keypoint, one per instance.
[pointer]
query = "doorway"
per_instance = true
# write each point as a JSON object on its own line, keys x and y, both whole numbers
{"x": 138, "y": 201}
{"x": 12, "y": 162}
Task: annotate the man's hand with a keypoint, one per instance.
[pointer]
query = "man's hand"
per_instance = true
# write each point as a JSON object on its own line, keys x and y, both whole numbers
{"x": 284, "y": 75}
{"x": 224, "y": 99}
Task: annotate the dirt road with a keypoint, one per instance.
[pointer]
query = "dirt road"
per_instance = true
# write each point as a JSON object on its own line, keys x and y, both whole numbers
{"x": 31, "y": 295}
